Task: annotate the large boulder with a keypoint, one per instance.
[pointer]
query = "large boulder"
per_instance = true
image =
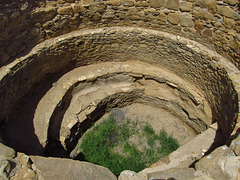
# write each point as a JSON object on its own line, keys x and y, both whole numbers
{"x": 58, "y": 168}
{"x": 221, "y": 164}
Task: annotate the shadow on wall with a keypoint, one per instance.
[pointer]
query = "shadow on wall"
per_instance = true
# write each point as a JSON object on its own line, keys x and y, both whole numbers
{"x": 17, "y": 31}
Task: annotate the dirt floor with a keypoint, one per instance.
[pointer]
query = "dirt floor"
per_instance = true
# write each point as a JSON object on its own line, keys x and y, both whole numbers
{"x": 158, "y": 118}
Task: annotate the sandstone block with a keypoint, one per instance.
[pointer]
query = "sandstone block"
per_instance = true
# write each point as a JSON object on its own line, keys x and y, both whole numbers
{"x": 198, "y": 26}
{"x": 204, "y": 3}
{"x": 237, "y": 26}
{"x": 130, "y": 175}
{"x": 114, "y": 2}
{"x": 82, "y": 170}
{"x": 96, "y": 17}
{"x": 186, "y": 20}
{"x": 67, "y": 10}
{"x": 173, "y": 18}
{"x": 172, "y": 4}
{"x": 202, "y": 13}
{"x": 44, "y": 14}
{"x": 127, "y": 2}
{"x": 157, "y": 3}
{"x": 232, "y": 167}
{"x": 228, "y": 12}
{"x": 162, "y": 18}
{"x": 6, "y": 152}
{"x": 213, "y": 164}
{"x": 228, "y": 23}
{"x": 175, "y": 173}
{"x": 231, "y": 2}
{"x": 185, "y": 6}
{"x": 77, "y": 8}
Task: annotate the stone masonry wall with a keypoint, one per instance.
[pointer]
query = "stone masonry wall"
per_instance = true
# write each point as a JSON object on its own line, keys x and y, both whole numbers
{"x": 211, "y": 22}
{"x": 75, "y": 49}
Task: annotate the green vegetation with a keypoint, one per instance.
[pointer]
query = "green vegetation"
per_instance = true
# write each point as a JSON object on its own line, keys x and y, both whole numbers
{"x": 125, "y": 146}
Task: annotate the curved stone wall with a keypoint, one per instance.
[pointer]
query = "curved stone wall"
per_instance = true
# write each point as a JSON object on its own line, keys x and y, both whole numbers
{"x": 210, "y": 22}
{"x": 186, "y": 58}
{"x": 56, "y": 50}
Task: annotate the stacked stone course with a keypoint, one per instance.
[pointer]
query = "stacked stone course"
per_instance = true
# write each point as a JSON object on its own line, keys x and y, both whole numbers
{"x": 214, "y": 23}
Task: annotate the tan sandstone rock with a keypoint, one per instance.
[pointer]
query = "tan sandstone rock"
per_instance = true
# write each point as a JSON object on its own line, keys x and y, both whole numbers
{"x": 57, "y": 168}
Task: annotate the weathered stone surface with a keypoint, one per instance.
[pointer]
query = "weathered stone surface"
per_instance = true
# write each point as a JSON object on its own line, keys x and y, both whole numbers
{"x": 204, "y": 3}
{"x": 96, "y": 17}
{"x": 157, "y": 3}
{"x": 232, "y": 2}
{"x": 186, "y": 20}
{"x": 127, "y": 2}
{"x": 228, "y": 12}
{"x": 114, "y": 2}
{"x": 231, "y": 166}
{"x": 214, "y": 163}
{"x": 173, "y": 18}
{"x": 77, "y": 8}
{"x": 198, "y": 26}
{"x": 71, "y": 169}
{"x": 237, "y": 26}
{"x": 235, "y": 146}
{"x": 185, "y": 6}
{"x": 202, "y": 14}
{"x": 25, "y": 173}
{"x": 45, "y": 14}
{"x": 172, "y": 4}
{"x": 5, "y": 168}
{"x": 207, "y": 33}
{"x": 130, "y": 175}
{"x": 65, "y": 10}
{"x": 23, "y": 159}
{"x": 6, "y": 152}
{"x": 228, "y": 23}
{"x": 175, "y": 173}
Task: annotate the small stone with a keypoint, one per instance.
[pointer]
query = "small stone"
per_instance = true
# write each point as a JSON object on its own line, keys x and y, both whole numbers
{"x": 207, "y": 33}
{"x": 61, "y": 1}
{"x": 66, "y": 10}
{"x": 172, "y": 4}
{"x": 185, "y": 6}
{"x": 173, "y": 18}
{"x": 237, "y": 26}
{"x": 198, "y": 26}
{"x": 114, "y": 2}
{"x": 186, "y": 20}
{"x": 231, "y": 2}
{"x": 204, "y": 3}
{"x": 127, "y": 2}
{"x": 228, "y": 12}
{"x": 96, "y": 17}
{"x": 157, "y": 3}
{"x": 77, "y": 8}
{"x": 228, "y": 23}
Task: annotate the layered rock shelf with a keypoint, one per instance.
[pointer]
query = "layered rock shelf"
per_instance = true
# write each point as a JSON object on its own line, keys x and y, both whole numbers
{"x": 66, "y": 64}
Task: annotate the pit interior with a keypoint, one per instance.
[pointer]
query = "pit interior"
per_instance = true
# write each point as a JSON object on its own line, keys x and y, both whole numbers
{"x": 54, "y": 94}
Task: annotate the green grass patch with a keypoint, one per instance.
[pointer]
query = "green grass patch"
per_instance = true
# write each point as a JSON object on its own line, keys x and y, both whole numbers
{"x": 125, "y": 146}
